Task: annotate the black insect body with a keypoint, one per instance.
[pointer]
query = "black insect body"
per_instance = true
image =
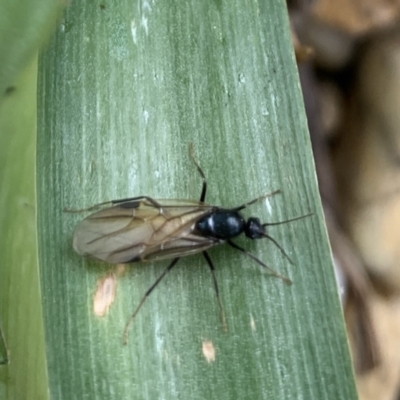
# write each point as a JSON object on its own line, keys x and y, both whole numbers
{"x": 221, "y": 224}
{"x": 146, "y": 229}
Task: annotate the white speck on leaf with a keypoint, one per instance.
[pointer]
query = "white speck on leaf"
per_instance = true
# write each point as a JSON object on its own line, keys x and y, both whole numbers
{"x": 252, "y": 323}
{"x": 105, "y": 295}
{"x": 144, "y": 24}
{"x": 208, "y": 351}
{"x": 268, "y": 205}
{"x": 134, "y": 31}
{"x": 145, "y": 116}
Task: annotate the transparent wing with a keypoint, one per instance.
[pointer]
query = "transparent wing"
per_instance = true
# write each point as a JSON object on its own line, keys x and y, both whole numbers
{"x": 142, "y": 230}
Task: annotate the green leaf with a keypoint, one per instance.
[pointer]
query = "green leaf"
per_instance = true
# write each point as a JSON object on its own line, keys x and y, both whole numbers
{"x": 21, "y": 320}
{"x": 24, "y": 26}
{"x": 123, "y": 89}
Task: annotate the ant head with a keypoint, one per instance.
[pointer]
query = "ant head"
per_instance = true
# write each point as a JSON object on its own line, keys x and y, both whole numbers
{"x": 254, "y": 229}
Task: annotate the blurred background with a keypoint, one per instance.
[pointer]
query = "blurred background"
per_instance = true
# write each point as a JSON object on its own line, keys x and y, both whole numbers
{"x": 348, "y": 54}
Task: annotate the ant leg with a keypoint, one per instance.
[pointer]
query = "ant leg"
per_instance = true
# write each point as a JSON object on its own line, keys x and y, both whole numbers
{"x": 212, "y": 269}
{"x": 249, "y": 203}
{"x": 204, "y": 188}
{"x": 146, "y": 295}
{"x": 273, "y": 272}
